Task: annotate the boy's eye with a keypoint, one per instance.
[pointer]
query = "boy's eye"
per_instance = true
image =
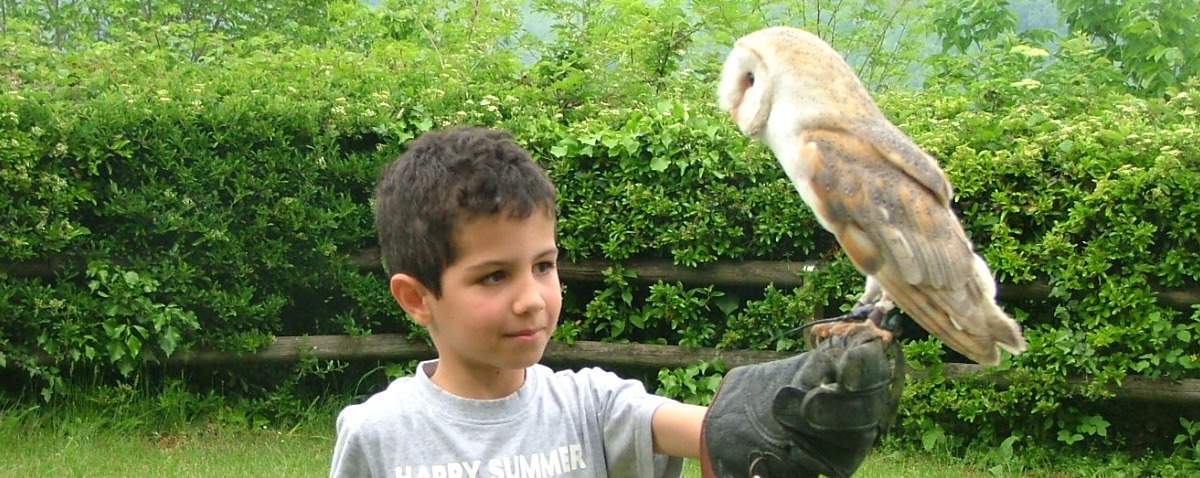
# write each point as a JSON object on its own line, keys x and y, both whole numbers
{"x": 545, "y": 266}
{"x": 493, "y": 277}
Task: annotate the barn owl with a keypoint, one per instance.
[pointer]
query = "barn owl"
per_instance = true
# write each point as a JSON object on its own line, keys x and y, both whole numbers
{"x": 885, "y": 200}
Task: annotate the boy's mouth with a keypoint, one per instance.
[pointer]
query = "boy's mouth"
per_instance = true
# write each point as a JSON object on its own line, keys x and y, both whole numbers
{"x": 527, "y": 333}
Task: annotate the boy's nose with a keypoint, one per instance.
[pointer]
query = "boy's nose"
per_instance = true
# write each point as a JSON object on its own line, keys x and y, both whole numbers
{"x": 529, "y": 296}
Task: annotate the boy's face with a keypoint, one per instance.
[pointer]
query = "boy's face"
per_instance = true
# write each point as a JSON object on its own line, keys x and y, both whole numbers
{"x": 501, "y": 297}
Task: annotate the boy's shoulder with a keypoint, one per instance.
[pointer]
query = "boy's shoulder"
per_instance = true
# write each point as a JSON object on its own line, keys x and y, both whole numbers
{"x": 414, "y": 400}
{"x": 595, "y": 385}
{"x": 408, "y": 392}
{"x": 399, "y": 396}
{"x": 587, "y": 378}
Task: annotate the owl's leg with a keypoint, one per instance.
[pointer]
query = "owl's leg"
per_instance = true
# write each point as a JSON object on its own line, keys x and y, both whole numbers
{"x": 869, "y": 311}
{"x": 874, "y": 301}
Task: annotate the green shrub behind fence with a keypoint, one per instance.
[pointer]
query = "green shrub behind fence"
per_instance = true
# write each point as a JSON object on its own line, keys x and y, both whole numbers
{"x": 216, "y": 203}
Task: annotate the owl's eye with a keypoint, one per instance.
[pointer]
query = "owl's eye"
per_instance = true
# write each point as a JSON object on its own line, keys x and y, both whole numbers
{"x": 750, "y": 79}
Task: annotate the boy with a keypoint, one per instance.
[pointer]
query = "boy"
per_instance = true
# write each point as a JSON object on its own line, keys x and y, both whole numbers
{"x": 466, "y": 222}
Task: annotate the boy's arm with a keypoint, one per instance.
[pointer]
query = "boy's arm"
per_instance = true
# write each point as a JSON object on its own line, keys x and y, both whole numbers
{"x": 676, "y": 429}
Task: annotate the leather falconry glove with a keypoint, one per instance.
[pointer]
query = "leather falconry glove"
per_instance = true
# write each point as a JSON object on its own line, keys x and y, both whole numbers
{"x": 817, "y": 413}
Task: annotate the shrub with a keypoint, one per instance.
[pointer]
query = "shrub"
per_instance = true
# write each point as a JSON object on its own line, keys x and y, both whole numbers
{"x": 218, "y": 202}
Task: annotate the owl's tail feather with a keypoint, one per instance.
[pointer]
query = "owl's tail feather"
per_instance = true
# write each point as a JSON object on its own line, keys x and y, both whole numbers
{"x": 978, "y": 336}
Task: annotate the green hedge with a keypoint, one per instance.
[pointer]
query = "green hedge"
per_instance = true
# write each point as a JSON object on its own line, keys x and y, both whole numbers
{"x": 217, "y": 203}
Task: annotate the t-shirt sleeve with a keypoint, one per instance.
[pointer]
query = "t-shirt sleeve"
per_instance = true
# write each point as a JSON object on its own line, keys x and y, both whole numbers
{"x": 626, "y": 415}
{"x": 349, "y": 458}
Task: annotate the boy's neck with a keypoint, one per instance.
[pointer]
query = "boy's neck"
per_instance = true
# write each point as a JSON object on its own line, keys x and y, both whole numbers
{"x": 476, "y": 383}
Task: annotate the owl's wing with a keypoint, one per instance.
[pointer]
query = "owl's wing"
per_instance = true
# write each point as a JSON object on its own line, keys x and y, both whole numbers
{"x": 903, "y": 234}
{"x": 902, "y": 153}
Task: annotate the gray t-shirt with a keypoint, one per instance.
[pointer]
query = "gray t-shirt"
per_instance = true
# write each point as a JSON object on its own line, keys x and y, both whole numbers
{"x": 588, "y": 423}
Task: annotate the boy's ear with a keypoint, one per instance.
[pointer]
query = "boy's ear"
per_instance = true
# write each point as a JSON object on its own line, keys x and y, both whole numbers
{"x": 411, "y": 294}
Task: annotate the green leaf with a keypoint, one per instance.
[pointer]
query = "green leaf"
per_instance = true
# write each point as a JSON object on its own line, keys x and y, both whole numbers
{"x": 424, "y": 124}
{"x": 659, "y": 164}
{"x": 168, "y": 341}
{"x": 611, "y": 142}
{"x": 728, "y": 304}
{"x": 931, "y": 438}
{"x": 134, "y": 344}
{"x": 116, "y": 351}
{"x": 114, "y": 329}
{"x": 125, "y": 367}
{"x": 1069, "y": 437}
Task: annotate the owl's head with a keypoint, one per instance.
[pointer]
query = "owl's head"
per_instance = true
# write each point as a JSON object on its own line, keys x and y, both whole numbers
{"x": 744, "y": 89}
{"x": 791, "y": 78}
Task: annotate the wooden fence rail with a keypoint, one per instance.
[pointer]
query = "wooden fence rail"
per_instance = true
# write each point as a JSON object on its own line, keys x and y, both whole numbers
{"x": 751, "y": 273}
{"x": 396, "y": 347}
{"x": 745, "y": 273}
{"x": 780, "y": 273}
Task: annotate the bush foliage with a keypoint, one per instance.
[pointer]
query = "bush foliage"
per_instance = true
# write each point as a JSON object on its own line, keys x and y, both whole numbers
{"x": 216, "y": 198}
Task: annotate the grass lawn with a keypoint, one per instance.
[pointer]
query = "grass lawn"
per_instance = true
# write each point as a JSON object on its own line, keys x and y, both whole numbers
{"x": 83, "y": 443}
{"x": 81, "y": 449}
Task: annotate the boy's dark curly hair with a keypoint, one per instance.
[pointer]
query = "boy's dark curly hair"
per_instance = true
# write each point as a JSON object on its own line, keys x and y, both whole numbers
{"x": 443, "y": 179}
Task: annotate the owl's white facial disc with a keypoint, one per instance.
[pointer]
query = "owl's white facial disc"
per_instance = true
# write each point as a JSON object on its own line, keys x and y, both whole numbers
{"x": 744, "y": 91}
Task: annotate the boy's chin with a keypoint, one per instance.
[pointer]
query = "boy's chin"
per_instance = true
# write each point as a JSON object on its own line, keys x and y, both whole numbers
{"x": 532, "y": 356}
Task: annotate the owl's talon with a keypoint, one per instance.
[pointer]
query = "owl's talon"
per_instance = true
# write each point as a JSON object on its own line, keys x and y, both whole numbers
{"x": 861, "y": 311}
{"x": 834, "y": 328}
